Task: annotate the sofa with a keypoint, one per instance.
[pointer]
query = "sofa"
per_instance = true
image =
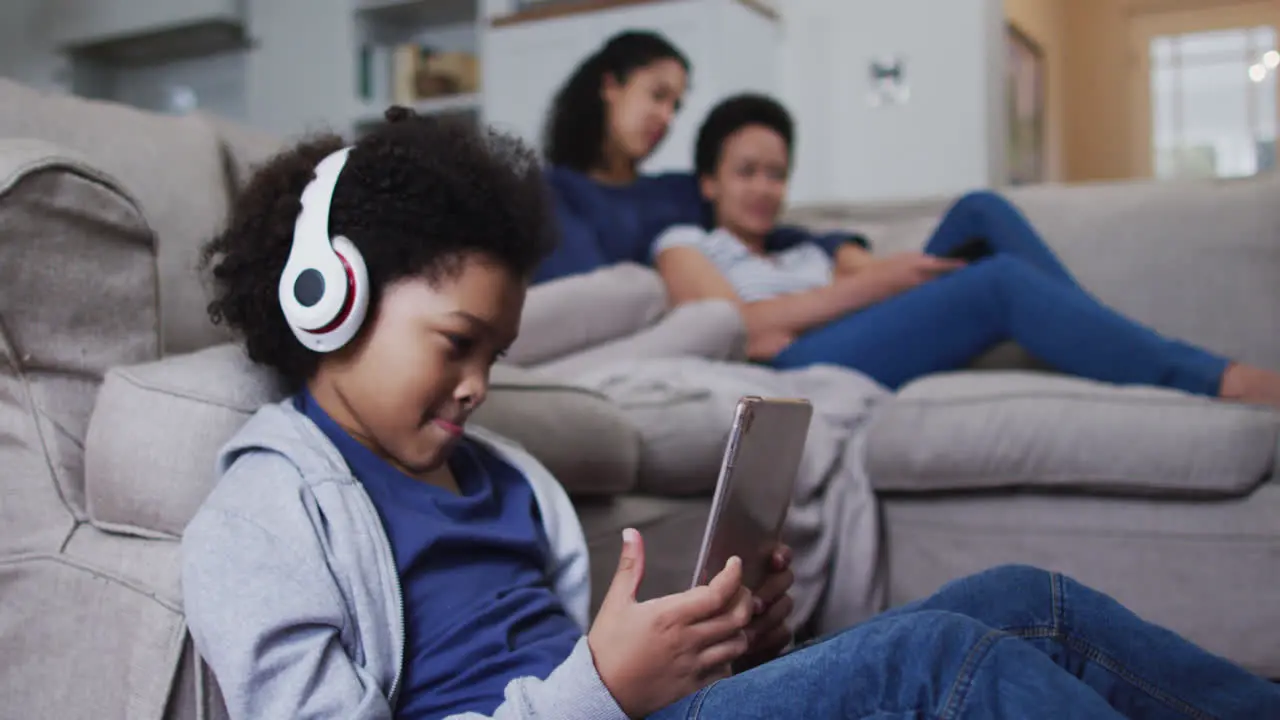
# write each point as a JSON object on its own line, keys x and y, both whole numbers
{"x": 115, "y": 392}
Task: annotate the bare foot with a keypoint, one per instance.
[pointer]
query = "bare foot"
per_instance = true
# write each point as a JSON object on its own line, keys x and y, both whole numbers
{"x": 1249, "y": 384}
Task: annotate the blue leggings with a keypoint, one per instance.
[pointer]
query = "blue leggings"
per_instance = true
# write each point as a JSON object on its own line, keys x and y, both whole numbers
{"x": 1012, "y": 642}
{"x": 1021, "y": 293}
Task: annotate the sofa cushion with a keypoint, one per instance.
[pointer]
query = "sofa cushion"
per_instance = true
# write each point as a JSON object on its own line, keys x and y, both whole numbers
{"x": 1146, "y": 249}
{"x": 584, "y": 440}
{"x": 156, "y": 431}
{"x": 157, "y": 428}
{"x": 575, "y": 313}
{"x": 244, "y": 149}
{"x": 711, "y": 329}
{"x": 976, "y": 431}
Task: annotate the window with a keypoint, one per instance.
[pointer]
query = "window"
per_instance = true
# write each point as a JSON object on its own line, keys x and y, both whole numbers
{"x": 1213, "y": 103}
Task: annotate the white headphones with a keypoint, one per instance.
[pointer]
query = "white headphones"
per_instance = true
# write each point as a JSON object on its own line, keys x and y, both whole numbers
{"x": 324, "y": 289}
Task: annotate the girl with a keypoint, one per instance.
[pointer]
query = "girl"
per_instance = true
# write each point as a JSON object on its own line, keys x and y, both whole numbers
{"x": 367, "y": 554}
{"x": 611, "y": 114}
{"x": 909, "y": 315}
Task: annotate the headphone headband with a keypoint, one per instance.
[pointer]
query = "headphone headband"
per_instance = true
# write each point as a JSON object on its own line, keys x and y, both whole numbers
{"x": 311, "y": 229}
{"x": 324, "y": 286}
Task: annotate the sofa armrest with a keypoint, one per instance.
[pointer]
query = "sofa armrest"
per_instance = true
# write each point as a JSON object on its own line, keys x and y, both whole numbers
{"x": 580, "y": 312}
{"x": 711, "y": 329}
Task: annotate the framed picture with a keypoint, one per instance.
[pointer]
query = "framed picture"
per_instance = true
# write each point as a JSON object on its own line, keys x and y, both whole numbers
{"x": 1025, "y": 101}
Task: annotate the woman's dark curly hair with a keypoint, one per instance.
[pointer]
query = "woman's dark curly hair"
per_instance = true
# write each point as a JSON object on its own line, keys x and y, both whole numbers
{"x": 731, "y": 115}
{"x": 417, "y": 195}
{"x": 574, "y": 133}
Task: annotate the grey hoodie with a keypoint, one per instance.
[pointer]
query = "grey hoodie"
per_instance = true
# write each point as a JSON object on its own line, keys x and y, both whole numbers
{"x": 292, "y": 595}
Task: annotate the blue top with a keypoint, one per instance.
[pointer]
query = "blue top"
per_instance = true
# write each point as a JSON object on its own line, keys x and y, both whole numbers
{"x": 479, "y": 609}
{"x": 603, "y": 225}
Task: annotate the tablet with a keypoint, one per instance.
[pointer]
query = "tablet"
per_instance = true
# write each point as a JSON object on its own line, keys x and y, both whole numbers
{"x": 753, "y": 492}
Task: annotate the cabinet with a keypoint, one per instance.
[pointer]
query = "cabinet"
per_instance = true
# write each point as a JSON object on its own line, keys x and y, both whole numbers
{"x": 84, "y": 23}
{"x": 732, "y": 45}
{"x": 161, "y": 55}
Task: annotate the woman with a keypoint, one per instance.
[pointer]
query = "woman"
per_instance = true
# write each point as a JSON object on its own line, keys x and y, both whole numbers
{"x": 907, "y": 315}
{"x": 610, "y": 115}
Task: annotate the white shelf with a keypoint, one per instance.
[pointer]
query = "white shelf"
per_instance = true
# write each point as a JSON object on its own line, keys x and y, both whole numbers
{"x": 418, "y": 13}
{"x": 436, "y": 25}
{"x": 448, "y": 105}
{"x": 84, "y": 23}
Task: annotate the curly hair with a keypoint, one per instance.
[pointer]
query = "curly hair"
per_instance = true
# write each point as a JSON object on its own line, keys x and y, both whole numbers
{"x": 731, "y": 115}
{"x": 416, "y": 195}
{"x": 574, "y": 133}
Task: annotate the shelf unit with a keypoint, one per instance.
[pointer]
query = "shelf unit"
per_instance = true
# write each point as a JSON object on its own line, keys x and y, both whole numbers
{"x": 381, "y": 26}
{"x": 171, "y": 57}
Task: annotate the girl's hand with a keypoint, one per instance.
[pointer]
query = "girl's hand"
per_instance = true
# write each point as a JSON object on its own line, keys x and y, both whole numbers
{"x": 768, "y": 634}
{"x": 766, "y": 346}
{"x": 650, "y": 654}
{"x": 851, "y": 258}
{"x": 903, "y": 271}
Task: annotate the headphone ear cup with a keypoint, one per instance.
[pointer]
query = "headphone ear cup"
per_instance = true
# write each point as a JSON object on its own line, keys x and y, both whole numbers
{"x": 356, "y": 302}
{"x": 313, "y": 290}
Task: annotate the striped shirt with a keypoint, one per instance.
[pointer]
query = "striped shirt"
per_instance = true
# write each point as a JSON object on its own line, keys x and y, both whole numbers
{"x": 802, "y": 267}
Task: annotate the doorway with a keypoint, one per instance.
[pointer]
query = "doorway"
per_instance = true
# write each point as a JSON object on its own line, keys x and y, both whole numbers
{"x": 1204, "y": 92}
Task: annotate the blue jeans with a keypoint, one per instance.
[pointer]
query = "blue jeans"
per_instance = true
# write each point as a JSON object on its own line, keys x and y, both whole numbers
{"x": 1013, "y": 642}
{"x": 1021, "y": 293}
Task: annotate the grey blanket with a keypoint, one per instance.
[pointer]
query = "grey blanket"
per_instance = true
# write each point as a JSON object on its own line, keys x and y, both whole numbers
{"x": 684, "y": 407}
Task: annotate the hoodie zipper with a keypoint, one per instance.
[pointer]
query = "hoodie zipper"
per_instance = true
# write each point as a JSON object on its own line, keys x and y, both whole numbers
{"x": 395, "y": 682}
{"x": 384, "y": 546}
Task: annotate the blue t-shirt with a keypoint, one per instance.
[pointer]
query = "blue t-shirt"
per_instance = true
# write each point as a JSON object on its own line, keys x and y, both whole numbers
{"x": 602, "y": 225}
{"x": 479, "y": 608}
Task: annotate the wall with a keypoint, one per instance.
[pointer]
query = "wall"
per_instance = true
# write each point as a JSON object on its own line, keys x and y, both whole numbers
{"x": 26, "y": 54}
{"x": 298, "y": 82}
{"x": 1043, "y": 21}
{"x": 949, "y": 136}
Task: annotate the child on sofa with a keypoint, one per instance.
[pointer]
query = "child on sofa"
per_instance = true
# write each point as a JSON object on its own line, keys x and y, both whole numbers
{"x": 900, "y": 317}
{"x": 367, "y": 554}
